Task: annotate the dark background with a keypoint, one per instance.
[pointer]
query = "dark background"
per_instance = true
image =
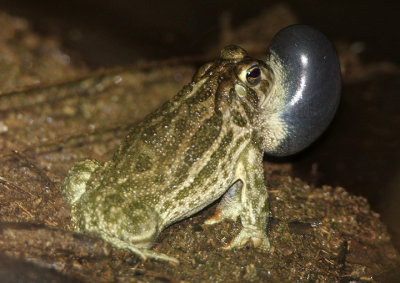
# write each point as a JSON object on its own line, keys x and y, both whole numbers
{"x": 118, "y": 32}
{"x": 360, "y": 151}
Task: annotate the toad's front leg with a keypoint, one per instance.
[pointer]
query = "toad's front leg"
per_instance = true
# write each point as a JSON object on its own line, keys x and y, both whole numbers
{"x": 247, "y": 198}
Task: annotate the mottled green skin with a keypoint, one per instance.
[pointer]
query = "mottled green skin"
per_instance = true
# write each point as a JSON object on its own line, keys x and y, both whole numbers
{"x": 180, "y": 159}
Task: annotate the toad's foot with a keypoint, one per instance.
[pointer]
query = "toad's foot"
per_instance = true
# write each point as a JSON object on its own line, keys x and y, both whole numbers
{"x": 143, "y": 253}
{"x": 228, "y": 207}
{"x": 257, "y": 238}
{"x": 217, "y": 217}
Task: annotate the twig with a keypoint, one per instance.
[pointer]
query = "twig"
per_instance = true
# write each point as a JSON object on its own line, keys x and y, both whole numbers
{"x": 10, "y": 185}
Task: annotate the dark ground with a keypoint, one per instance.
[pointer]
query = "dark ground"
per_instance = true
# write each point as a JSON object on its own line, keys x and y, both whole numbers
{"x": 360, "y": 151}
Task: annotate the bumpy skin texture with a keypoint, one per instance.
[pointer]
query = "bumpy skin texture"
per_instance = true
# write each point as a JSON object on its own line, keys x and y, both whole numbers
{"x": 206, "y": 142}
{"x": 180, "y": 159}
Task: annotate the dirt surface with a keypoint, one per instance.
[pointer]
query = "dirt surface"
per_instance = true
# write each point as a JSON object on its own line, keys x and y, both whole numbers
{"x": 316, "y": 233}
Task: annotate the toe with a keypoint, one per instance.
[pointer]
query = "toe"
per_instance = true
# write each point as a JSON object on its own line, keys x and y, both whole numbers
{"x": 216, "y": 218}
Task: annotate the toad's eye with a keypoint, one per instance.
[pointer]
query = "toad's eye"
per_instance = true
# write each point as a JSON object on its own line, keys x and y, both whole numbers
{"x": 253, "y": 75}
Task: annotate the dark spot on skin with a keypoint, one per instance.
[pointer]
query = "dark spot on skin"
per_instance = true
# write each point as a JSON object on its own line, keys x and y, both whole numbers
{"x": 252, "y": 97}
{"x": 225, "y": 92}
{"x": 221, "y": 150}
{"x": 167, "y": 205}
{"x": 181, "y": 125}
{"x": 238, "y": 119}
{"x": 205, "y": 92}
{"x": 184, "y": 193}
{"x": 149, "y": 135}
{"x": 257, "y": 139}
{"x": 142, "y": 162}
{"x": 159, "y": 179}
{"x": 201, "y": 141}
{"x": 196, "y": 112}
{"x": 264, "y": 87}
{"x": 150, "y": 199}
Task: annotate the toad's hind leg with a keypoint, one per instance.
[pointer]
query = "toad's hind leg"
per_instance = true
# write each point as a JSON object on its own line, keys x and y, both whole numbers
{"x": 228, "y": 208}
{"x": 75, "y": 184}
{"x": 140, "y": 252}
{"x": 124, "y": 223}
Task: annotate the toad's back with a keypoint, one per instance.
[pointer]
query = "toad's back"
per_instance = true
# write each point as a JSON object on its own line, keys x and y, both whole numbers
{"x": 182, "y": 157}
